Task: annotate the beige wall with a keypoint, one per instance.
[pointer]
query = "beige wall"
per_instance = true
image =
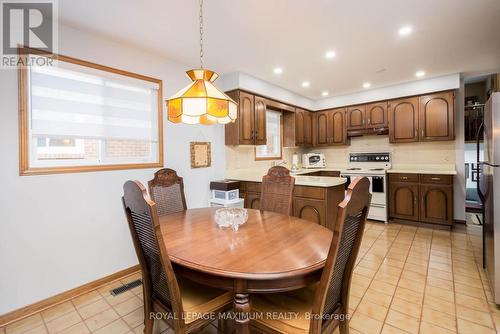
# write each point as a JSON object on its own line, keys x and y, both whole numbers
{"x": 433, "y": 153}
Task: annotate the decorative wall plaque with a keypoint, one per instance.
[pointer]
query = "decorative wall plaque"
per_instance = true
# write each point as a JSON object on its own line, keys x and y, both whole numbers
{"x": 201, "y": 155}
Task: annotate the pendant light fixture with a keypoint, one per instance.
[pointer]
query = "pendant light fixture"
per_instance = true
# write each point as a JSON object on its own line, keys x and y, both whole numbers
{"x": 201, "y": 102}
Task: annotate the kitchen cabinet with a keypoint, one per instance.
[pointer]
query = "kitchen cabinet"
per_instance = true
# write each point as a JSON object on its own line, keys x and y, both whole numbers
{"x": 403, "y": 120}
{"x": 299, "y": 127}
{"x": 376, "y": 115}
{"x": 426, "y": 198}
{"x": 308, "y": 129}
{"x": 322, "y": 124}
{"x": 428, "y": 117}
{"x": 437, "y": 117}
{"x": 330, "y": 128}
{"x": 337, "y": 132}
{"x": 356, "y": 117}
{"x": 250, "y": 126}
{"x": 310, "y": 209}
{"x": 316, "y": 204}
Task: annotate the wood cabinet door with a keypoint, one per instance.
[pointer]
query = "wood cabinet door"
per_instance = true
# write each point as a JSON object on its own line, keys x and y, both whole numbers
{"x": 436, "y": 204}
{"x": 437, "y": 121}
{"x": 246, "y": 119}
{"x": 376, "y": 115}
{"x": 403, "y": 120}
{"x": 252, "y": 200}
{"x": 260, "y": 133}
{"x": 299, "y": 127}
{"x": 308, "y": 128}
{"x": 309, "y": 209}
{"x": 356, "y": 117}
{"x": 322, "y": 135}
{"x": 337, "y": 134}
{"x": 403, "y": 201}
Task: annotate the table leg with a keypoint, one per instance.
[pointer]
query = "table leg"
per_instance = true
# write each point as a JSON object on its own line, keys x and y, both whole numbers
{"x": 241, "y": 308}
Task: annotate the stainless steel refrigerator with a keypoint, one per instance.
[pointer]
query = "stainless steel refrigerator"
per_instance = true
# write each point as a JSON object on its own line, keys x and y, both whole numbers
{"x": 489, "y": 192}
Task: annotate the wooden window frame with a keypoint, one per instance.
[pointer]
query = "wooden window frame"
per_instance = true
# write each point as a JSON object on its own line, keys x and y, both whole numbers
{"x": 24, "y": 140}
{"x": 256, "y": 158}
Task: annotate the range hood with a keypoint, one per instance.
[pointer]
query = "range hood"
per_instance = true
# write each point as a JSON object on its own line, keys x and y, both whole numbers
{"x": 368, "y": 132}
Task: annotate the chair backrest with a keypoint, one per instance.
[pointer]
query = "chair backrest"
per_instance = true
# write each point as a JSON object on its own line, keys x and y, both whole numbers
{"x": 160, "y": 283}
{"x": 333, "y": 290}
{"x": 167, "y": 191}
{"x": 277, "y": 190}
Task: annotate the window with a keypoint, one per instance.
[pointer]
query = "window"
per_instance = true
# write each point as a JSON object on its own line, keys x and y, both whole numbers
{"x": 272, "y": 150}
{"x": 78, "y": 116}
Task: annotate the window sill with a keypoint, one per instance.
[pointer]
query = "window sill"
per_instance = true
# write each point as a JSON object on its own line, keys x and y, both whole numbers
{"x": 84, "y": 169}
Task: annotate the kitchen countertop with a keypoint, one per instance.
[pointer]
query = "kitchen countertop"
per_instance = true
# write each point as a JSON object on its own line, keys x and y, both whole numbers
{"x": 255, "y": 175}
{"x": 424, "y": 169}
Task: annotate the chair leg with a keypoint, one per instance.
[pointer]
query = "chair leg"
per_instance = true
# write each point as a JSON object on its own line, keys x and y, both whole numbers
{"x": 148, "y": 325}
{"x": 344, "y": 326}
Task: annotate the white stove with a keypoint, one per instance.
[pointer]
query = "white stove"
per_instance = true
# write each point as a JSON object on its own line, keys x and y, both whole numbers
{"x": 374, "y": 166}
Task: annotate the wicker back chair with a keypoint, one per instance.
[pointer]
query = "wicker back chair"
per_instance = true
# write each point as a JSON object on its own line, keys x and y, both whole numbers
{"x": 328, "y": 300}
{"x": 163, "y": 292}
{"x": 277, "y": 190}
{"x": 167, "y": 191}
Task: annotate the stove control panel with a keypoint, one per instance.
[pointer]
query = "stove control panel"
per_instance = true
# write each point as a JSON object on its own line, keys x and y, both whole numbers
{"x": 369, "y": 157}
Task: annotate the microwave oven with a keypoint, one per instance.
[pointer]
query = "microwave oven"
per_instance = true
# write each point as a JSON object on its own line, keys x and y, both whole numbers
{"x": 313, "y": 160}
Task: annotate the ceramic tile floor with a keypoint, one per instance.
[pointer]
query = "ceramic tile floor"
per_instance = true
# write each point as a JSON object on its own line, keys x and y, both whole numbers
{"x": 407, "y": 280}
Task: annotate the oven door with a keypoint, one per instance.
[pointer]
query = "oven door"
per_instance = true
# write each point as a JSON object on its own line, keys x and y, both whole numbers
{"x": 313, "y": 160}
{"x": 378, "y": 189}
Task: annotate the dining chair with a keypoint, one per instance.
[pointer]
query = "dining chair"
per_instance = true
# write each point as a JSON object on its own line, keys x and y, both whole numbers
{"x": 185, "y": 305}
{"x": 277, "y": 190}
{"x": 167, "y": 191}
{"x": 322, "y": 306}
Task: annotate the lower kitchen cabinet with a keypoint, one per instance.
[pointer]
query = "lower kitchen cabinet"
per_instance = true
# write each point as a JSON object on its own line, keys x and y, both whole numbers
{"x": 316, "y": 204}
{"x": 403, "y": 200}
{"x": 422, "y": 198}
{"x": 310, "y": 209}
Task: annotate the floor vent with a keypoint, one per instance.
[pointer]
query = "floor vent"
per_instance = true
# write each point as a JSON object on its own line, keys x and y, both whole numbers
{"x": 126, "y": 287}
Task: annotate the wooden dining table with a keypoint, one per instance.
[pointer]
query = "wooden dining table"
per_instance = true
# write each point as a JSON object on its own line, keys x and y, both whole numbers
{"x": 271, "y": 252}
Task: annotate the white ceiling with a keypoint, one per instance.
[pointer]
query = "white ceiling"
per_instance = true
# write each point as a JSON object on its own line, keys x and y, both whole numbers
{"x": 254, "y": 36}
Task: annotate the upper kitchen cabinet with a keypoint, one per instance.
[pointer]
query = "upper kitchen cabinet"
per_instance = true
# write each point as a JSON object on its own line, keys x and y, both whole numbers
{"x": 425, "y": 118}
{"x": 303, "y": 127}
{"x": 356, "y": 117}
{"x": 376, "y": 115}
{"x": 403, "y": 120}
{"x": 322, "y": 135}
{"x": 437, "y": 117}
{"x": 330, "y": 127}
{"x": 250, "y": 126}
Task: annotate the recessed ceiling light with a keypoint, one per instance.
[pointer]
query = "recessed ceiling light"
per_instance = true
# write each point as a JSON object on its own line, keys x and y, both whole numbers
{"x": 306, "y": 84}
{"x": 419, "y": 74}
{"x": 325, "y": 93}
{"x": 405, "y": 31}
{"x": 330, "y": 54}
{"x": 366, "y": 85}
{"x": 278, "y": 70}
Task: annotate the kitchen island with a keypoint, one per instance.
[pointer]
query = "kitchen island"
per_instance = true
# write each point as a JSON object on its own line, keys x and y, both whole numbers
{"x": 315, "y": 198}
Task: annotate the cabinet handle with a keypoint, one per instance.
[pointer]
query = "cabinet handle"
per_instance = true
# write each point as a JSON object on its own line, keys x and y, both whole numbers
{"x": 435, "y": 178}
{"x": 404, "y": 178}
{"x": 415, "y": 199}
{"x": 416, "y": 133}
{"x": 369, "y": 121}
{"x": 422, "y": 132}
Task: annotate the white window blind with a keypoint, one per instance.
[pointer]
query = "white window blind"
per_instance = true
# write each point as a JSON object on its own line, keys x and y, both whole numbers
{"x": 67, "y": 101}
{"x": 82, "y": 114}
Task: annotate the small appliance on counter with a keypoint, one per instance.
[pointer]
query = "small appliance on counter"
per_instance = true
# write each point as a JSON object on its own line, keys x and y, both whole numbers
{"x": 295, "y": 162}
{"x": 313, "y": 160}
{"x": 225, "y": 193}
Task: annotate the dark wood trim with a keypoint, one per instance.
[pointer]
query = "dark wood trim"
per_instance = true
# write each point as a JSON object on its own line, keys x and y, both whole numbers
{"x": 60, "y": 298}
{"x": 24, "y": 168}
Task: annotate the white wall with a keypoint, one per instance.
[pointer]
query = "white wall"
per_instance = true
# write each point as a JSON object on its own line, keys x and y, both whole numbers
{"x": 247, "y": 82}
{"x": 61, "y": 231}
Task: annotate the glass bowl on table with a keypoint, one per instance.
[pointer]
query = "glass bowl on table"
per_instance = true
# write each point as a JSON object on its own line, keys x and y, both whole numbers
{"x": 231, "y": 217}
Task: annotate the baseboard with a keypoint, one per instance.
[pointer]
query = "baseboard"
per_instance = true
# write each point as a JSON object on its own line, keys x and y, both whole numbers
{"x": 459, "y": 221}
{"x": 26, "y": 311}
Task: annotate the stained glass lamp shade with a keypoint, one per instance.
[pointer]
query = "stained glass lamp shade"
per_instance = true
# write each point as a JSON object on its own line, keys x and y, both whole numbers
{"x": 201, "y": 102}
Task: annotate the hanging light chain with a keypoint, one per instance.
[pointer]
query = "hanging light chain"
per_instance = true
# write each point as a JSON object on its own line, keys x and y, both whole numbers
{"x": 201, "y": 33}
